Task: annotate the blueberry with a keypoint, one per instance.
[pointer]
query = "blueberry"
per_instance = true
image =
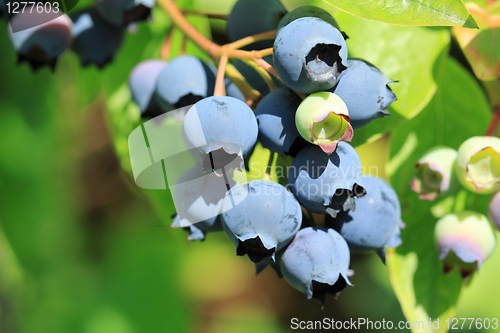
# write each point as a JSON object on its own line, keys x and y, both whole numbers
{"x": 199, "y": 230}
{"x": 326, "y": 184}
{"x": 309, "y": 55}
{"x": 376, "y": 222}
{"x": 276, "y": 117}
{"x": 260, "y": 218}
{"x": 323, "y": 119}
{"x": 464, "y": 240}
{"x": 307, "y": 11}
{"x": 185, "y": 80}
{"x": 364, "y": 90}
{"x": 273, "y": 263}
{"x": 142, "y": 84}
{"x": 43, "y": 44}
{"x": 316, "y": 263}
{"x": 220, "y": 130}
{"x": 494, "y": 210}
{"x": 478, "y": 164}
{"x": 232, "y": 90}
{"x": 198, "y": 198}
{"x": 95, "y": 41}
{"x": 122, "y": 12}
{"x": 251, "y": 17}
{"x": 434, "y": 172}
{"x": 254, "y": 78}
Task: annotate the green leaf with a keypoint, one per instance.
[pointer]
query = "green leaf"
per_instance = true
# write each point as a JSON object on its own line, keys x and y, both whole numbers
{"x": 123, "y": 114}
{"x": 376, "y": 129}
{"x": 458, "y": 110}
{"x": 413, "y": 12}
{"x": 405, "y": 54}
{"x": 482, "y": 46}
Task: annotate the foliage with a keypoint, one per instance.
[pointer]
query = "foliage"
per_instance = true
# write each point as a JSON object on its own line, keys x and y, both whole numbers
{"x": 447, "y": 84}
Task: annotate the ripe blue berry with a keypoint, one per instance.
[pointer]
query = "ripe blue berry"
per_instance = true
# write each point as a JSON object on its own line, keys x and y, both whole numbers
{"x": 219, "y": 130}
{"x": 142, "y": 84}
{"x": 232, "y": 90}
{"x": 184, "y": 81}
{"x": 464, "y": 240}
{"x": 365, "y": 91}
{"x": 254, "y": 78}
{"x": 122, "y": 12}
{"x": 309, "y": 55}
{"x": 199, "y": 230}
{"x": 307, "y": 11}
{"x": 95, "y": 41}
{"x": 43, "y": 44}
{"x": 316, "y": 263}
{"x": 376, "y": 222}
{"x": 326, "y": 184}
{"x": 434, "y": 172}
{"x": 251, "y": 17}
{"x": 260, "y": 218}
{"x": 198, "y": 197}
{"x": 274, "y": 263}
{"x": 276, "y": 117}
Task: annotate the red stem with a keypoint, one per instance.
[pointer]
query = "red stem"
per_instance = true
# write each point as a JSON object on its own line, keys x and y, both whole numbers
{"x": 495, "y": 120}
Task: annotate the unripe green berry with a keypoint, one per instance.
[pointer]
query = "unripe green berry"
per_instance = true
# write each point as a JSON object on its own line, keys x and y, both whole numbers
{"x": 478, "y": 164}
{"x": 464, "y": 240}
{"x": 433, "y": 173}
{"x": 323, "y": 119}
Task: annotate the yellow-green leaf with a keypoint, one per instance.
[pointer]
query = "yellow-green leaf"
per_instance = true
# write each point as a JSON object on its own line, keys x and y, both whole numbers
{"x": 412, "y": 12}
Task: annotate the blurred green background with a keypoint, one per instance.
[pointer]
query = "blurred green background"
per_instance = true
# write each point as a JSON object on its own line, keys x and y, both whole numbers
{"x": 82, "y": 249}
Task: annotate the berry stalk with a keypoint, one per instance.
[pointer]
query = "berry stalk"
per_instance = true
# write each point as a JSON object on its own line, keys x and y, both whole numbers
{"x": 220, "y": 89}
{"x": 495, "y": 121}
{"x": 248, "y": 91}
{"x": 167, "y": 44}
{"x": 493, "y": 91}
{"x": 207, "y": 15}
{"x": 263, "y": 73}
{"x": 206, "y": 44}
{"x": 252, "y": 39}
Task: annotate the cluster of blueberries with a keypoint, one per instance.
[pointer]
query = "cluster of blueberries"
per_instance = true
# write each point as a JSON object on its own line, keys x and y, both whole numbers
{"x": 322, "y": 96}
{"x": 310, "y": 116}
{"x": 40, "y": 35}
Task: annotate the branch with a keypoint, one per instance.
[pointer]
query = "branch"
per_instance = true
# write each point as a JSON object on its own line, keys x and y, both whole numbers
{"x": 208, "y": 15}
{"x": 206, "y": 44}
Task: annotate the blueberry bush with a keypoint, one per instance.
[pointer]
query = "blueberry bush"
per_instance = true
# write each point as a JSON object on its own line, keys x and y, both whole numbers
{"x": 350, "y": 150}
